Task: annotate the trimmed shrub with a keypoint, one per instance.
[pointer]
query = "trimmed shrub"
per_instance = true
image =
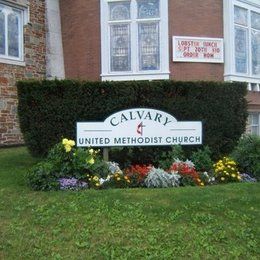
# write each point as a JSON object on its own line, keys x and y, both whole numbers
{"x": 247, "y": 154}
{"x": 49, "y": 110}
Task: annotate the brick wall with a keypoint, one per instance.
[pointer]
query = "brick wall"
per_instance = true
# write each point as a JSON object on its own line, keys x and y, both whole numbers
{"x": 34, "y": 51}
{"x": 198, "y": 18}
{"x": 80, "y": 22}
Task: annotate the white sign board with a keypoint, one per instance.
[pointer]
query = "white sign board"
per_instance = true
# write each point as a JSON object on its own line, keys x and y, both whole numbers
{"x": 195, "y": 49}
{"x": 138, "y": 127}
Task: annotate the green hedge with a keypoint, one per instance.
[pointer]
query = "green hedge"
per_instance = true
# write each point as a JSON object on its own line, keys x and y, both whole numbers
{"x": 49, "y": 110}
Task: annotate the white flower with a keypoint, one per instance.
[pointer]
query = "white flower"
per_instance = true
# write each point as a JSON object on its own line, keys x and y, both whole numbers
{"x": 206, "y": 174}
{"x": 101, "y": 180}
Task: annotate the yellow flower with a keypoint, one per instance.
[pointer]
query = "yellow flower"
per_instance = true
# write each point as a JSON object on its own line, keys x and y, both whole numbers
{"x": 91, "y": 151}
{"x": 126, "y": 178}
{"x": 202, "y": 184}
{"x": 239, "y": 177}
{"x": 128, "y": 181}
{"x": 97, "y": 184}
{"x": 118, "y": 179}
{"x": 65, "y": 141}
{"x": 233, "y": 175}
{"x": 199, "y": 180}
{"x": 222, "y": 178}
{"x": 95, "y": 178}
{"x": 91, "y": 161}
{"x": 71, "y": 143}
{"x": 67, "y": 148}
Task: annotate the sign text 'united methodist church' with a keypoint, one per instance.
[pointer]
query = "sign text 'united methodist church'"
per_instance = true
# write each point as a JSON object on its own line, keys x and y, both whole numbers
{"x": 138, "y": 127}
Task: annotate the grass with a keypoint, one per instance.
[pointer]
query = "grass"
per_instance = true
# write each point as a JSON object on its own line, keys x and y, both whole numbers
{"x": 218, "y": 222}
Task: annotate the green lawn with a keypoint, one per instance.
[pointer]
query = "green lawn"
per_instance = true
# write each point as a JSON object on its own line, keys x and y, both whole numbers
{"x": 218, "y": 222}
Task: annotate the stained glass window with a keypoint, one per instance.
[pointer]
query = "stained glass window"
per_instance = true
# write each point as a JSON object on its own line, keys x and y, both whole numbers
{"x": 148, "y": 9}
{"x": 120, "y": 47}
{"x": 119, "y": 11}
{"x": 255, "y": 20}
{"x": 13, "y": 34}
{"x": 149, "y": 46}
{"x": 134, "y": 36}
{"x": 241, "y": 56}
{"x": 10, "y": 32}
{"x": 255, "y": 40}
{"x": 2, "y": 31}
{"x": 240, "y": 15}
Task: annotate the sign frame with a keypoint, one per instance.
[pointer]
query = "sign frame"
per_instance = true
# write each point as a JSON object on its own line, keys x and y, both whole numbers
{"x": 122, "y": 131}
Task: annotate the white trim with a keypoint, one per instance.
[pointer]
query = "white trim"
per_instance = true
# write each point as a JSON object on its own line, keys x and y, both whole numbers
{"x": 126, "y": 77}
{"x": 54, "y": 53}
{"x": 242, "y": 78}
{"x": 12, "y": 62}
{"x": 163, "y": 72}
{"x": 229, "y": 41}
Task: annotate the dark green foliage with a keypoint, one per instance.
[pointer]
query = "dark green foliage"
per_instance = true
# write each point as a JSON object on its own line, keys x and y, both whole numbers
{"x": 49, "y": 110}
{"x": 43, "y": 177}
{"x": 247, "y": 155}
{"x": 165, "y": 159}
{"x": 202, "y": 159}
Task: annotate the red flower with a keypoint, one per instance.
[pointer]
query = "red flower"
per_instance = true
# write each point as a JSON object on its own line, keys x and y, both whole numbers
{"x": 185, "y": 169}
{"x": 140, "y": 170}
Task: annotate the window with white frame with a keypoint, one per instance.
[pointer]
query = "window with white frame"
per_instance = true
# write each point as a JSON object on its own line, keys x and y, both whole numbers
{"x": 11, "y": 32}
{"x": 134, "y": 36}
{"x": 253, "y": 123}
{"x": 242, "y": 40}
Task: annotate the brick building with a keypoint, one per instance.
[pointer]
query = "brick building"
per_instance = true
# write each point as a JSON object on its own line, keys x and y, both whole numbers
{"x": 215, "y": 40}
{"x": 22, "y": 55}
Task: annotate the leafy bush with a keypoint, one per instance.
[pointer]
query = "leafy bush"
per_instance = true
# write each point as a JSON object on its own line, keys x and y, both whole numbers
{"x": 65, "y": 167}
{"x": 247, "y": 154}
{"x": 221, "y": 106}
{"x": 43, "y": 177}
{"x": 165, "y": 158}
{"x": 158, "y": 178}
{"x": 226, "y": 171}
{"x": 202, "y": 159}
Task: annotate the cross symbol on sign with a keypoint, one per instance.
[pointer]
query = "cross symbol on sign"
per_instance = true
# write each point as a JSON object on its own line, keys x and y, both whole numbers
{"x": 140, "y": 128}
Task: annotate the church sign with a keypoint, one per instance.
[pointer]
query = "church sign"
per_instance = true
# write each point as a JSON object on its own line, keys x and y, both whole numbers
{"x": 138, "y": 127}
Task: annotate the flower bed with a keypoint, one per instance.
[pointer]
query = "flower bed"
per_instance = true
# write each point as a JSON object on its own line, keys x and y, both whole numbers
{"x": 71, "y": 168}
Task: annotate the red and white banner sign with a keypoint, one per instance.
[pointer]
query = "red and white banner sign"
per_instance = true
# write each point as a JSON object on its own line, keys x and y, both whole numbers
{"x": 195, "y": 49}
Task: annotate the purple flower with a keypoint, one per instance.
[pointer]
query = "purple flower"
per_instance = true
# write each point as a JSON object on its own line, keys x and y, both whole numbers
{"x": 247, "y": 178}
{"x": 71, "y": 184}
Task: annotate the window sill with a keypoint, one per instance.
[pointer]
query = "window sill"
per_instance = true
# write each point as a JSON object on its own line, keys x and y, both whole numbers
{"x": 126, "y": 77}
{"x": 241, "y": 78}
{"x": 12, "y": 62}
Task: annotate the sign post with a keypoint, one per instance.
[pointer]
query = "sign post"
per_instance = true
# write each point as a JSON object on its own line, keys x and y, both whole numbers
{"x": 138, "y": 127}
